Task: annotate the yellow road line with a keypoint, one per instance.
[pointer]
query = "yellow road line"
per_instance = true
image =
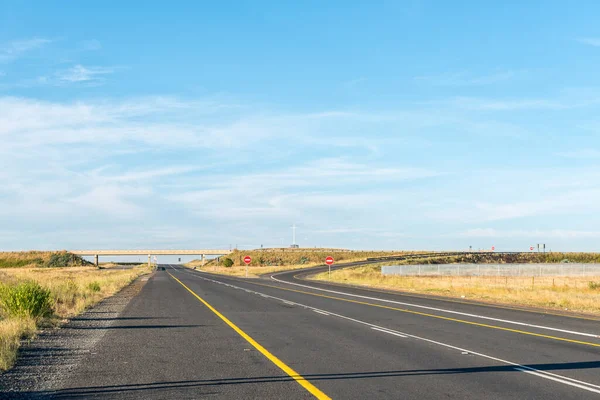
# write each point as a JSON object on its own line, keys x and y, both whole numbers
{"x": 501, "y": 328}
{"x": 293, "y": 374}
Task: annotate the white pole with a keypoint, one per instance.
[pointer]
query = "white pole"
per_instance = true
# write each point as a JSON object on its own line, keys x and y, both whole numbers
{"x": 329, "y": 271}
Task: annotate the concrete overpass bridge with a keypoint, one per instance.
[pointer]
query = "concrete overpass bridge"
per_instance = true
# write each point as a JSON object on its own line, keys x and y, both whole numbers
{"x": 202, "y": 253}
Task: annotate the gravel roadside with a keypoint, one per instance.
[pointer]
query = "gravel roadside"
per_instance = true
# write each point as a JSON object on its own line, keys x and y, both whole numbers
{"x": 46, "y": 362}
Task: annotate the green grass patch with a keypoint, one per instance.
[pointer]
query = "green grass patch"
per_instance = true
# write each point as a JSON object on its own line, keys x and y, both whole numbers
{"x": 94, "y": 286}
{"x": 594, "y": 285}
{"x": 25, "y": 299}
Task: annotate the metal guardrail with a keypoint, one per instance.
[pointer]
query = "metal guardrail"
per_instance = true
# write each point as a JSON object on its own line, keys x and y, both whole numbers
{"x": 559, "y": 269}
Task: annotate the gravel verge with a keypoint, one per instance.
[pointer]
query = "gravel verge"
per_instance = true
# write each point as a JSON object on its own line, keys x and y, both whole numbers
{"x": 47, "y": 361}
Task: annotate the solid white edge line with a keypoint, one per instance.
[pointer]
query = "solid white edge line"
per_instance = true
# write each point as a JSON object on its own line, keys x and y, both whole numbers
{"x": 442, "y": 310}
{"x": 557, "y": 380}
{"x": 522, "y": 368}
{"x": 390, "y": 332}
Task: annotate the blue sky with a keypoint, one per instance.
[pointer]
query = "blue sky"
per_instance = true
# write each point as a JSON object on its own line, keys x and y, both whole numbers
{"x": 379, "y": 124}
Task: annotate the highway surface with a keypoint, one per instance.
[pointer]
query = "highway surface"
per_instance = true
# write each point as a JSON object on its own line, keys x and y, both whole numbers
{"x": 189, "y": 334}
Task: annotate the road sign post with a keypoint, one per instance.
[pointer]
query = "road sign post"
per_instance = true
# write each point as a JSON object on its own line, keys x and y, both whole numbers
{"x": 247, "y": 261}
{"x": 329, "y": 261}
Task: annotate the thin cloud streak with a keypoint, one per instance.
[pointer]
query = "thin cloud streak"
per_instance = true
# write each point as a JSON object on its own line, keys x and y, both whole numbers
{"x": 532, "y": 234}
{"x": 13, "y": 50}
{"x": 79, "y": 73}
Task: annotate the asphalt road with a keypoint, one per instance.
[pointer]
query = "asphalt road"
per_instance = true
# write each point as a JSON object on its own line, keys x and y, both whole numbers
{"x": 189, "y": 334}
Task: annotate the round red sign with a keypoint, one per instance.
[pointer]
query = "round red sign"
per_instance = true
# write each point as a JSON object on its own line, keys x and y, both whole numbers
{"x": 531, "y": 248}
{"x": 493, "y": 248}
{"x": 329, "y": 260}
{"x": 247, "y": 259}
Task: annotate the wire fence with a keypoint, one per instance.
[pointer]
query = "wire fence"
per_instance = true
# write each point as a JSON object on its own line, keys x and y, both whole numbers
{"x": 562, "y": 269}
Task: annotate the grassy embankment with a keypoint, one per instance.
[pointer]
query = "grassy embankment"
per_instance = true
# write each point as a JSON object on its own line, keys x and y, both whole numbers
{"x": 577, "y": 294}
{"x": 42, "y": 289}
{"x": 273, "y": 260}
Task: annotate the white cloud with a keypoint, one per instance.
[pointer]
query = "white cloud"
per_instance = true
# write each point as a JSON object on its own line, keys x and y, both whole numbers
{"x": 592, "y": 41}
{"x": 84, "y": 158}
{"x": 13, "y": 50}
{"x": 145, "y": 175}
{"x": 79, "y": 73}
{"x": 312, "y": 189}
{"x": 574, "y": 202}
{"x": 532, "y": 234}
{"x": 112, "y": 200}
{"x": 243, "y": 171}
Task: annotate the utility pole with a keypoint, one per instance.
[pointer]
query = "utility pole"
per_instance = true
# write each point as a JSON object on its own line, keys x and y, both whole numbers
{"x": 294, "y": 235}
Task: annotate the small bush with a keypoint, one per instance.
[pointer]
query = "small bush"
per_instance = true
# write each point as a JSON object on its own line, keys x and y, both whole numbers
{"x": 594, "y": 285}
{"x": 304, "y": 260}
{"x": 26, "y": 299}
{"x": 94, "y": 286}
{"x": 65, "y": 259}
{"x": 227, "y": 262}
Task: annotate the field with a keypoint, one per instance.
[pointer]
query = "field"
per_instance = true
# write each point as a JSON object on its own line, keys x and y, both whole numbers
{"x": 505, "y": 258}
{"x": 273, "y": 260}
{"x": 31, "y": 298}
{"x": 40, "y": 259}
{"x": 577, "y": 294}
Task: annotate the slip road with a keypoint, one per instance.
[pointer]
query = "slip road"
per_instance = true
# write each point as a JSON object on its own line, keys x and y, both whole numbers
{"x": 189, "y": 334}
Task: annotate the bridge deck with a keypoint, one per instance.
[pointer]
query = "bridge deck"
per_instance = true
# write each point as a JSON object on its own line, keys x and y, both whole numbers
{"x": 208, "y": 252}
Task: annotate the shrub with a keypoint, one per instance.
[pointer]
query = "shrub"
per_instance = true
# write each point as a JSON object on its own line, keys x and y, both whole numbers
{"x": 304, "y": 260}
{"x": 594, "y": 285}
{"x": 26, "y": 299}
{"x": 227, "y": 262}
{"x": 65, "y": 259}
{"x": 94, "y": 286}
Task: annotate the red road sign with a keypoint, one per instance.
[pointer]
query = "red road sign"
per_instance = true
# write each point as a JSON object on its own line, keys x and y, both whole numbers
{"x": 531, "y": 248}
{"x": 329, "y": 260}
{"x": 493, "y": 248}
{"x": 247, "y": 260}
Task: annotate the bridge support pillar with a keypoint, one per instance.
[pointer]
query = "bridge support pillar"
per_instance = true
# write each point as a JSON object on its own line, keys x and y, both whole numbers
{"x": 203, "y": 259}
{"x": 149, "y": 258}
{"x": 96, "y": 259}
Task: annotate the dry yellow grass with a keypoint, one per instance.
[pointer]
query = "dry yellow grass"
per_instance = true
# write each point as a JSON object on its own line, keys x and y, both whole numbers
{"x": 253, "y": 271}
{"x": 564, "y": 293}
{"x": 19, "y": 259}
{"x": 12, "y": 331}
{"x": 73, "y": 290}
{"x": 274, "y": 260}
{"x": 303, "y": 256}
